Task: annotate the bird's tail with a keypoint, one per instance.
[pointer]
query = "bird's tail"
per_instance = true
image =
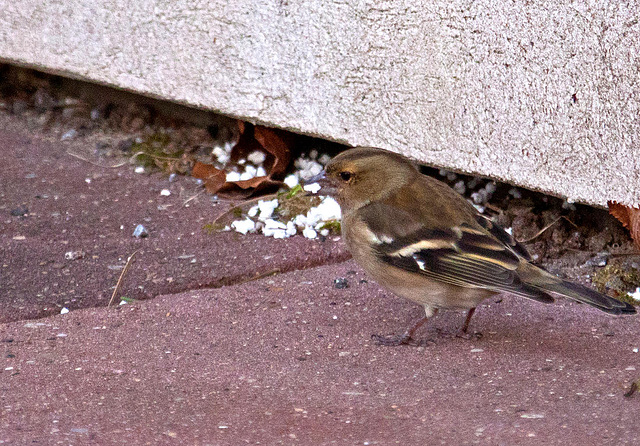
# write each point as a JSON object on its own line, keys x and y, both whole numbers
{"x": 588, "y": 296}
{"x": 538, "y": 278}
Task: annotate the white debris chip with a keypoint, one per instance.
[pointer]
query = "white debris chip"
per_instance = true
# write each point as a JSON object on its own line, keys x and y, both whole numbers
{"x": 165, "y": 192}
{"x": 249, "y": 172}
{"x": 636, "y": 294}
{"x": 257, "y": 157}
{"x": 267, "y": 208}
{"x": 244, "y": 226}
{"x": 233, "y": 176}
{"x": 314, "y": 188}
{"x": 261, "y": 216}
{"x": 223, "y": 153}
{"x": 308, "y": 232}
{"x": 307, "y": 168}
{"x": 274, "y": 228}
{"x": 291, "y": 180}
{"x": 253, "y": 211}
{"x": 316, "y": 217}
{"x": 64, "y": 310}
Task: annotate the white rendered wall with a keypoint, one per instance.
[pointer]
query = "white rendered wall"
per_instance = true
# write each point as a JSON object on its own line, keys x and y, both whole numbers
{"x": 541, "y": 94}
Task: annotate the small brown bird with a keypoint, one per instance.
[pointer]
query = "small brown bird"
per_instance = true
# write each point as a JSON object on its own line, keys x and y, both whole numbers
{"x": 421, "y": 240}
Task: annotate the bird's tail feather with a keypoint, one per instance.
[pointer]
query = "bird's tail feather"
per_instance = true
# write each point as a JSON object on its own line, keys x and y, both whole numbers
{"x": 588, "y": 296}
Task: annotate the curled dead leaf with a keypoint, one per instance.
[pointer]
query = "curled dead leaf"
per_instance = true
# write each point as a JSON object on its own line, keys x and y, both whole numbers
{"x": 213, "y": 178}
{"x": 276, "y": 144}
{"x": 629, "y": 217}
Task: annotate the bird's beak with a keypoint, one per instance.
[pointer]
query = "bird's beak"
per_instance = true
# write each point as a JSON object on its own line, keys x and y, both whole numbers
{"x": 326, "y": 185}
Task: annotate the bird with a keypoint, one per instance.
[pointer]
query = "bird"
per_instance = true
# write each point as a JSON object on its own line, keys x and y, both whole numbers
{"x": 424, "y": 242}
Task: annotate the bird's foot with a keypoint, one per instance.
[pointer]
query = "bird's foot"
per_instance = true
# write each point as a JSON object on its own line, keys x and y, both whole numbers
{"x": 395, "y": 340}
{"x": 469, "y": 336}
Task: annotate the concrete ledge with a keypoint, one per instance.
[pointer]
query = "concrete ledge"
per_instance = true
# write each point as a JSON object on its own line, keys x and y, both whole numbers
{"x": 535, "y": 93}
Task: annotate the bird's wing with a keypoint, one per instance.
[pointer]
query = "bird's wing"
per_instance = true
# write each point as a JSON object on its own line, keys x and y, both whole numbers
{"x": 468, "y": 255}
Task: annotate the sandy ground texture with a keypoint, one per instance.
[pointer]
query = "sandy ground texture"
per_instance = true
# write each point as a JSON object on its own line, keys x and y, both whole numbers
{"x": 247, "y": 339}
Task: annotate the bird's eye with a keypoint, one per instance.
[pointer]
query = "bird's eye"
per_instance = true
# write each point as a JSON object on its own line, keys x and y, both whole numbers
{"x": 346, "y": 176}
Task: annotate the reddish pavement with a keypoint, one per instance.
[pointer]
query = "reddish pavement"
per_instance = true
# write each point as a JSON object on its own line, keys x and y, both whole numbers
{"x": 285, "y": 359}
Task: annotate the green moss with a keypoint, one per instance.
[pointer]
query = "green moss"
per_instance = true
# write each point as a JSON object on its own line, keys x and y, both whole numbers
{"x": 619, "y": 279}
{"x": 211, "y": 228}
{"x": 295, "y": 202}
{"x": 332, "y": 225}
{"x": 153, "y": 151}
{"x": 288, "y": 194}
{"x": 237, "y": 212}
{"x": 626, "y": 297}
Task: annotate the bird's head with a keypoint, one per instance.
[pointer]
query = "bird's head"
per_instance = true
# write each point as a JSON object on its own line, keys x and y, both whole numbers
{"x": 359, "y": 176}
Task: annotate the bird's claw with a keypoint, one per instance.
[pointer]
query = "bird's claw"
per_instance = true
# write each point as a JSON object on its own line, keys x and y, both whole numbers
{"x": 469, "y": 336}
{"x": 396, "y": 340}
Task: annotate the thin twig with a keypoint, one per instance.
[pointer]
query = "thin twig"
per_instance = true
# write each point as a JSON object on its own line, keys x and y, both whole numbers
{"x": 124, "y": 271}
{"x": 543, "y": 230}
{"x": 192, "y": 197}
{"x": 75, "y": 155}
{"x": 155, "y": 157}
{"x": 243, "y": 205}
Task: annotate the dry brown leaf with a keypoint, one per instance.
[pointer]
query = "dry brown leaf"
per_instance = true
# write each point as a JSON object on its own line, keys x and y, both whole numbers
{"x": 213, "y": 178}
{"x": 278, "y": 143}
{"x": 275, "y": 143}
{"x": 629, "y": 217}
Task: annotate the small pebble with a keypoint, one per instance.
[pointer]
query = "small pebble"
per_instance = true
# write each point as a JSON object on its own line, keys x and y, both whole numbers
{"x": 74, "y": 255}
{"x": 172, "y": 177}
{"x": 139, "y": 169}
{"x": 165, "y": 192}
{"x": 515, "y": 193}
{"x": 340, "y": 283}
{"x": 600, "y": 259}
{"x": 69, "y": 135}
{"x": 65, "y": 310}
{"x": 460, "y": 187}
{"x": 20, "y": 211}
{"x": 140, "y": 232}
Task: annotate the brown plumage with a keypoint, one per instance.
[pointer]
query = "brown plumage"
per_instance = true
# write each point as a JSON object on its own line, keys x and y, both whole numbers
{"x": 423, "y": 241}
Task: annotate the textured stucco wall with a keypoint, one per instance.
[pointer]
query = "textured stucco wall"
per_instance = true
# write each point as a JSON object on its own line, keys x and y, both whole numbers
{"x": 542, "y": 94}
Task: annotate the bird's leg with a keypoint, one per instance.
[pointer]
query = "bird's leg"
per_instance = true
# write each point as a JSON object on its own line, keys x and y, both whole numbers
{"x": 463, "y": 332}
{"x": 465, "y": 327}
{"x": 407, "y": 337}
